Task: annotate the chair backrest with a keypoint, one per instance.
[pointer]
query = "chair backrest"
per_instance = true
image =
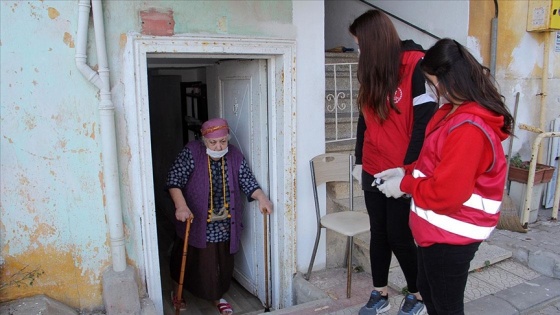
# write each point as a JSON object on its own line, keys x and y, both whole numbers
{"x": 332, "y": 167}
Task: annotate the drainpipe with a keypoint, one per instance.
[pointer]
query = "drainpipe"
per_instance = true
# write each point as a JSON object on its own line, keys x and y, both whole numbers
{"x": 544, "y": 86}
{"x": 494, "y": 40}
{"x": 107, "y": 123}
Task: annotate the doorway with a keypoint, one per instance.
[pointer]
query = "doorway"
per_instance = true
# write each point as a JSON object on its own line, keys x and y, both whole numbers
{"x": 177, "y": 110}
{"x": 280, "y": 64}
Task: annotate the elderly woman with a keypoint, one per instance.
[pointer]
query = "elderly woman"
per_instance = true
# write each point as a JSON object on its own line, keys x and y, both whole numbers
{"x": 205, "y": 183}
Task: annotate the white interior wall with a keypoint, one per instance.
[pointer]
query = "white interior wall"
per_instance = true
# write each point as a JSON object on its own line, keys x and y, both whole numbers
{"x": 441, "y": 18}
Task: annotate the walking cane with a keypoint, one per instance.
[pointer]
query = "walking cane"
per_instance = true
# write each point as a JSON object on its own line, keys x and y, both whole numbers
{"x": 183, "y": 263}
{"x": 267, "y": 303}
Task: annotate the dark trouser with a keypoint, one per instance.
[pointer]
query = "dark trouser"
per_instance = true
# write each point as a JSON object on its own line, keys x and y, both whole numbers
{"x": 442, "y": 276}
{"x": 388, "y": 218}
{"x": 208, "y": 271}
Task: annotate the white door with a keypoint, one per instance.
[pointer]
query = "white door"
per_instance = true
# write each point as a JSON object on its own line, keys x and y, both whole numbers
{"x": 241, "y": 94}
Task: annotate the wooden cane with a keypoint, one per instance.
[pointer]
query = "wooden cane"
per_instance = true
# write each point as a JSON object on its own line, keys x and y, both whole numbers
{"x": 183, "y": 263}
{"x": 265, "y": 227}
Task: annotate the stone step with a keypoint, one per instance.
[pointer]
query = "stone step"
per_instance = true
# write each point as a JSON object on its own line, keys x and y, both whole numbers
{"x": 346, "y": 57}
{"x": 338, "y": 192}
{"x": 326, "y": 291}
{"x": 485, "y": 256}
{"x": 342, "y": 84}
{"x": 343, "y": 146}
{"x": 340, "y": 130}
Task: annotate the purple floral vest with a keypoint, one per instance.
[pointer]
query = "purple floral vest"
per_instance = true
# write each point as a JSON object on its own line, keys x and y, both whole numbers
{"x": 197, "y": 192}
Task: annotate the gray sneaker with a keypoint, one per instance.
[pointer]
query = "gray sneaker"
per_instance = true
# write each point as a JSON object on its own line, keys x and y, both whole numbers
{"x": 411, "y": 306}
{"x": 377, "y": 304}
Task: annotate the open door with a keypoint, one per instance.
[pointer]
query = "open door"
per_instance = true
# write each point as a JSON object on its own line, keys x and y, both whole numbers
{"x": 241, "y": 89}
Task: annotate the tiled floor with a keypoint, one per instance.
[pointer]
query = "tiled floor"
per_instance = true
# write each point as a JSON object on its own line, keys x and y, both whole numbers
{"x": 241, "y": 301}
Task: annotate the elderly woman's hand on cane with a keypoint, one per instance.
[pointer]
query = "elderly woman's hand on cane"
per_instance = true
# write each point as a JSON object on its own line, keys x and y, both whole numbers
{"x": 265, "y": 205}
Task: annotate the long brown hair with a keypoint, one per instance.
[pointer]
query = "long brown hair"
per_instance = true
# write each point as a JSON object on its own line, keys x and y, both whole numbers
{"x": 379, "y": 62}
{"x": 464, "y": 78}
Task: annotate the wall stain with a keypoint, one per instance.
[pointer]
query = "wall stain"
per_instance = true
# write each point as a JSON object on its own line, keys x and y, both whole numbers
{"x": 122, "y": 40}
{"x": 41, "y": 230}
{"x": 9, "y": 139}
{"x": 30, "y": 122}
{"x": 102, "y": 183}
{"x": 53, "y": 13}
{"x": 68, "y": 40}
{"x": 61, "y": 144}
{"x": 92, "y": 135}
{"x": 61, "y": 272}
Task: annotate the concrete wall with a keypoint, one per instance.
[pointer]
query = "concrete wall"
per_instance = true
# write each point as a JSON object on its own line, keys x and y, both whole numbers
{"x": 519, "y": 64}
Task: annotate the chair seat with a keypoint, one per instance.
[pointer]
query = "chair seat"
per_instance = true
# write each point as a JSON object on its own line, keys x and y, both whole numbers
{"x": 348, "y": 223}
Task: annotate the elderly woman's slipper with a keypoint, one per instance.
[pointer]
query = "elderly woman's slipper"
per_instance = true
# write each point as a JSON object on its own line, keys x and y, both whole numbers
{"x": 224, "y": 308}
{"x": 182, "y": 304}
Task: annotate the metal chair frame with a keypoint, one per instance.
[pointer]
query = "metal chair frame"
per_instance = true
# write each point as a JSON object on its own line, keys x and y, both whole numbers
{"x": 337, "y": 167}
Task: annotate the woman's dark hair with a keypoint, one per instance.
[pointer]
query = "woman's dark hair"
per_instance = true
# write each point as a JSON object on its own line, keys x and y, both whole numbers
{"x": 379, "y": 62}
{"x": 463, "y": 78}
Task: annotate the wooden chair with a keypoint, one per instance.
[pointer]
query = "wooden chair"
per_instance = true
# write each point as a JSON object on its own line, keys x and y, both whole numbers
{"x": 337, "y": 167}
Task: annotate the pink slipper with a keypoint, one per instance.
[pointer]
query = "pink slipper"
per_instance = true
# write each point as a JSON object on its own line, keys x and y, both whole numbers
{"x": 182, "y": 304}
{"x": 224, "y": 308}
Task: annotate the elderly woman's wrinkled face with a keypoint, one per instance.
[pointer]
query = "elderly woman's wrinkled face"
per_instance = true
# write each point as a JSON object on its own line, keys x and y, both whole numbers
{"x": 217, "y": 144}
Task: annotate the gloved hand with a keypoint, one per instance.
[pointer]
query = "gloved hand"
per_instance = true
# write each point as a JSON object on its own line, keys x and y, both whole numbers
{"x": 391, "y": 186}
{"x": 357, "y": 173}
{"x": 388, "y": 173}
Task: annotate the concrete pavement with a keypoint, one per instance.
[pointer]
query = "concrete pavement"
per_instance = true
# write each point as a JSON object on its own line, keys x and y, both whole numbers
{"x": 513, "y": 273}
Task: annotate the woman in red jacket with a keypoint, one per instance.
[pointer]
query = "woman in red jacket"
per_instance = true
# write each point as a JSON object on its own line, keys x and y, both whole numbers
{"x": 458, "y": 180}
{"x": 395, "y": 106}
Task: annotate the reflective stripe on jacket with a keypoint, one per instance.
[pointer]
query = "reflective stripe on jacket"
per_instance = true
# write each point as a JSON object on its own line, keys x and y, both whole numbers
{"x": 478, "y": 215}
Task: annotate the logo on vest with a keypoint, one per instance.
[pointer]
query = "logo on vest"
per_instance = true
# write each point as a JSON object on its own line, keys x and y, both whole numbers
{"x": 398, "y": 95}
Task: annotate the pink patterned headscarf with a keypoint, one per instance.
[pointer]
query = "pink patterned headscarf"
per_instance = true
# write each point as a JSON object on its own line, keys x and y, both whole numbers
{"x": 215, "y": 128}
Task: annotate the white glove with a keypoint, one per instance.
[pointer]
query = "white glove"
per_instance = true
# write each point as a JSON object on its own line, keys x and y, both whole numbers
{"x": 388, "y": 173}
{"x": 391, "y": 187}
{"x": 357, "y": 173}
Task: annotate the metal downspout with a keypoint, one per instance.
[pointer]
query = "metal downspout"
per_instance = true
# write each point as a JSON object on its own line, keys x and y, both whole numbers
{"x": 544, "y": 91}
{"x": 494, "y": 40}
{"x": 107, "y": 123}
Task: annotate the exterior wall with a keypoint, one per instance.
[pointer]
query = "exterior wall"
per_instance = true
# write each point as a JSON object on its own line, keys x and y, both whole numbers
{"x": 54, "y": 226}
{"x": 519, "y": 64}
{"x": 311, "y": 100}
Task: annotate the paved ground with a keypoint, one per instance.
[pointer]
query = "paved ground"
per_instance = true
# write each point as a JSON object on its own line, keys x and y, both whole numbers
{"x": 515, "y": 273}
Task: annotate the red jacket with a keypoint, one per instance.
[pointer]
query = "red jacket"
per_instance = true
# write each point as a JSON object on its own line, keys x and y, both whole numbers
{"x": 457, "y": 183}
{"x": 385, "y": 145}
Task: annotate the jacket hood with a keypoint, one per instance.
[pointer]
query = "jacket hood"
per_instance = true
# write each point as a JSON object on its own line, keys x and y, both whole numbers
{"x": 409, "y": 44}
{"x": 494, "y": 121}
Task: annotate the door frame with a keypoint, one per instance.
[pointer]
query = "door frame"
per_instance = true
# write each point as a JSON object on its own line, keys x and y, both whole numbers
{"x": 280, "y": 56}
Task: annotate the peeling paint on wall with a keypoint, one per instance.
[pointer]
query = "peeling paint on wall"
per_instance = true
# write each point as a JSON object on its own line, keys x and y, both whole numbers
{"x": 59, "y": 274}
{"x": 222, "y": 25}
{"x": 526, "y": 57}
{"x": 53, "y": 13}
{"x": 68, "y": 40}
{"x": 122, "y": 40}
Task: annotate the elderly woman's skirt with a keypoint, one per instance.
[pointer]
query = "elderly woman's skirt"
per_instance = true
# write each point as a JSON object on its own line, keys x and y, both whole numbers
{"x": 208, "y": 271}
